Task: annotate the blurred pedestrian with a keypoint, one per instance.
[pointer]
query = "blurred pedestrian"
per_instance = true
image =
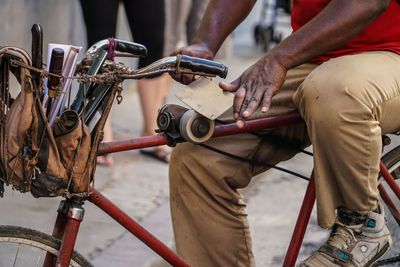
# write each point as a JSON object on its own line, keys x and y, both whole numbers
{"x": 147, "y": 24}
{"x": 183, "y": 19}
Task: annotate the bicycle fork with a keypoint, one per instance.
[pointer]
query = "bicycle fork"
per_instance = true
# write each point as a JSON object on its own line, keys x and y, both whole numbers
{"x": 69, "y": 218}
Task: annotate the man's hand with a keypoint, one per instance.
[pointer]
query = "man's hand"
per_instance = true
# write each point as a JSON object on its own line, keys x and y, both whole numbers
{"x": 255, "y": 87}
{"x": 194, "y": 50}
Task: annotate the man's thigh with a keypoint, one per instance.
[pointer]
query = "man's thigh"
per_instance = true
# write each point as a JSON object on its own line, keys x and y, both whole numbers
{"x": 260, "y": 147}
{"x": 370, "y": 79}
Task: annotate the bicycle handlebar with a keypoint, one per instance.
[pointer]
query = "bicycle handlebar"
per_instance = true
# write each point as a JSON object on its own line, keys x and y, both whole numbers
{"x": 202, "y": 65}
{"x": 121, "y": 46}
{"x": 175, "y": 64}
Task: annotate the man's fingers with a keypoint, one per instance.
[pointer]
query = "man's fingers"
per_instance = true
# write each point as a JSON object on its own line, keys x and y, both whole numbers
{"x": 176, "y": 76}
{"x": 240, "y": 123}
{"x": 238, "y": 101}
{"x": 187, "y": 78}
{"x": 233, "y": 86}
{"x": 266, "y": 101}
{"x": 253, "y": 102}
{"x": 239, "y": 96}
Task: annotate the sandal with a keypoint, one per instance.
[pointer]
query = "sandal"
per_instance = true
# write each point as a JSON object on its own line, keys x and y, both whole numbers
{"x": 162, "y": 153}
{"x": 105, "y": 160}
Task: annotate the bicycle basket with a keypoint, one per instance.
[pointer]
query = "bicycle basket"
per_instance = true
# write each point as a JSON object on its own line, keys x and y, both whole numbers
{"x": 34, "y": 157}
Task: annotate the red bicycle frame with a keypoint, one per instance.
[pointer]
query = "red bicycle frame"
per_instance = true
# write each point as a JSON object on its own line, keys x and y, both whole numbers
{"x": 67, "y": 223}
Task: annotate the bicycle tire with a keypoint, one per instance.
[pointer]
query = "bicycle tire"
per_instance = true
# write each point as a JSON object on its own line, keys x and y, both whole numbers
{"x": 392, "y": 162}
{"x": 31, "y": 242}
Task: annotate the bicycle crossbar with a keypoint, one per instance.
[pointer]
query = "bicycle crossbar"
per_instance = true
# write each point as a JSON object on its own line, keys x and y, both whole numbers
{"x": 135, "y": 143}
{"x": 259, "y": 124}
{"x": 221, "y": 130}
{"x": 136, "y": 229}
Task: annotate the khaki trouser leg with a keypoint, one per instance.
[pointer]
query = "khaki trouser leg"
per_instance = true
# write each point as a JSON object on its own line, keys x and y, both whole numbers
{"x": 208, "y": 214}
{"x": 348, "y": 103}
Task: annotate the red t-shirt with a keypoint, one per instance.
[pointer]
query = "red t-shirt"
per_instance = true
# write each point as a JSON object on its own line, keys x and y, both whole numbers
{"x": 382, "y": 34}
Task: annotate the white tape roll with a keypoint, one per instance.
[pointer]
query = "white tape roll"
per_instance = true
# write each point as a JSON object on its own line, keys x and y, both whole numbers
{"x": 195, "y": 128}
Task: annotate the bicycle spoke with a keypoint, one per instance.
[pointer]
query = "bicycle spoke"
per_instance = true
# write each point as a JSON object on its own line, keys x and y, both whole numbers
{"x": 39, "y": 257}
{"x": 16, "y": 255}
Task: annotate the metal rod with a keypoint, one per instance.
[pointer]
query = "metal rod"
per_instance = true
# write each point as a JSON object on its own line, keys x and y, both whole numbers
{"x": 259, "y": 124}
{"x": 164, "y": 63}
{"x": 141, "y": 142}
{"x": 222, "y": 130}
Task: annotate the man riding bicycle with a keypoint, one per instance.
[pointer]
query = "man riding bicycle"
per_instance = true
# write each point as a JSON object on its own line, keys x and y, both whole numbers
{"x": 340, "y": 68}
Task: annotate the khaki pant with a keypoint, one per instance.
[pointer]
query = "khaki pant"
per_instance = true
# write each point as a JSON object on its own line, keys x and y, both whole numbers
{"x": 347, "y": 104}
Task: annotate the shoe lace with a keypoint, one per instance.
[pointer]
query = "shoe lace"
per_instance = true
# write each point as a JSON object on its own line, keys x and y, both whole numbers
{"x": 342, "y": 237}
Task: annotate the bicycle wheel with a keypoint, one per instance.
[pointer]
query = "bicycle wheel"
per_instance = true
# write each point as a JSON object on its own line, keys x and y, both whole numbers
{"x": 392, "y": 162}
{"x": 25, "y": 247}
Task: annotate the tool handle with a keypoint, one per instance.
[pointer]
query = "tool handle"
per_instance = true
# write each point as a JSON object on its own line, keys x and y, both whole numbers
{"x": 84, "y": 89}
{"x": 37, "y": 53}
{"x": 37, "y": 45}
{"x": 56, "y": 64}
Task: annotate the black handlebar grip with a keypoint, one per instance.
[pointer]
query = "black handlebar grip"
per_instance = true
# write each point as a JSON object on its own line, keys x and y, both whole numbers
{"x": 203, "y": 65}
{"x": 131, "y": 48}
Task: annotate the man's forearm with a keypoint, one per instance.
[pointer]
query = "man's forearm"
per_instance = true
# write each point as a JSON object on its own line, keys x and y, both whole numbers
{"x": 339, "y": 22}
{"x": 220, "y": 19}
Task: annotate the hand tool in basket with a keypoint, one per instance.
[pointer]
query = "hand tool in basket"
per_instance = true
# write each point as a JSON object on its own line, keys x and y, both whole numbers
{"x": 85, "y": 89}
{"x": 56, "y": 64}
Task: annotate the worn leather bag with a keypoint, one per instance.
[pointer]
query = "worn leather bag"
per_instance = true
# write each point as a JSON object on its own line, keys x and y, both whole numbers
{"x": 33, "y": 157}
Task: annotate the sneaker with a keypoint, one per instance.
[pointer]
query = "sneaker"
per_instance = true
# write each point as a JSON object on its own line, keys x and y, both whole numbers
{"x": 357, "y": 239}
